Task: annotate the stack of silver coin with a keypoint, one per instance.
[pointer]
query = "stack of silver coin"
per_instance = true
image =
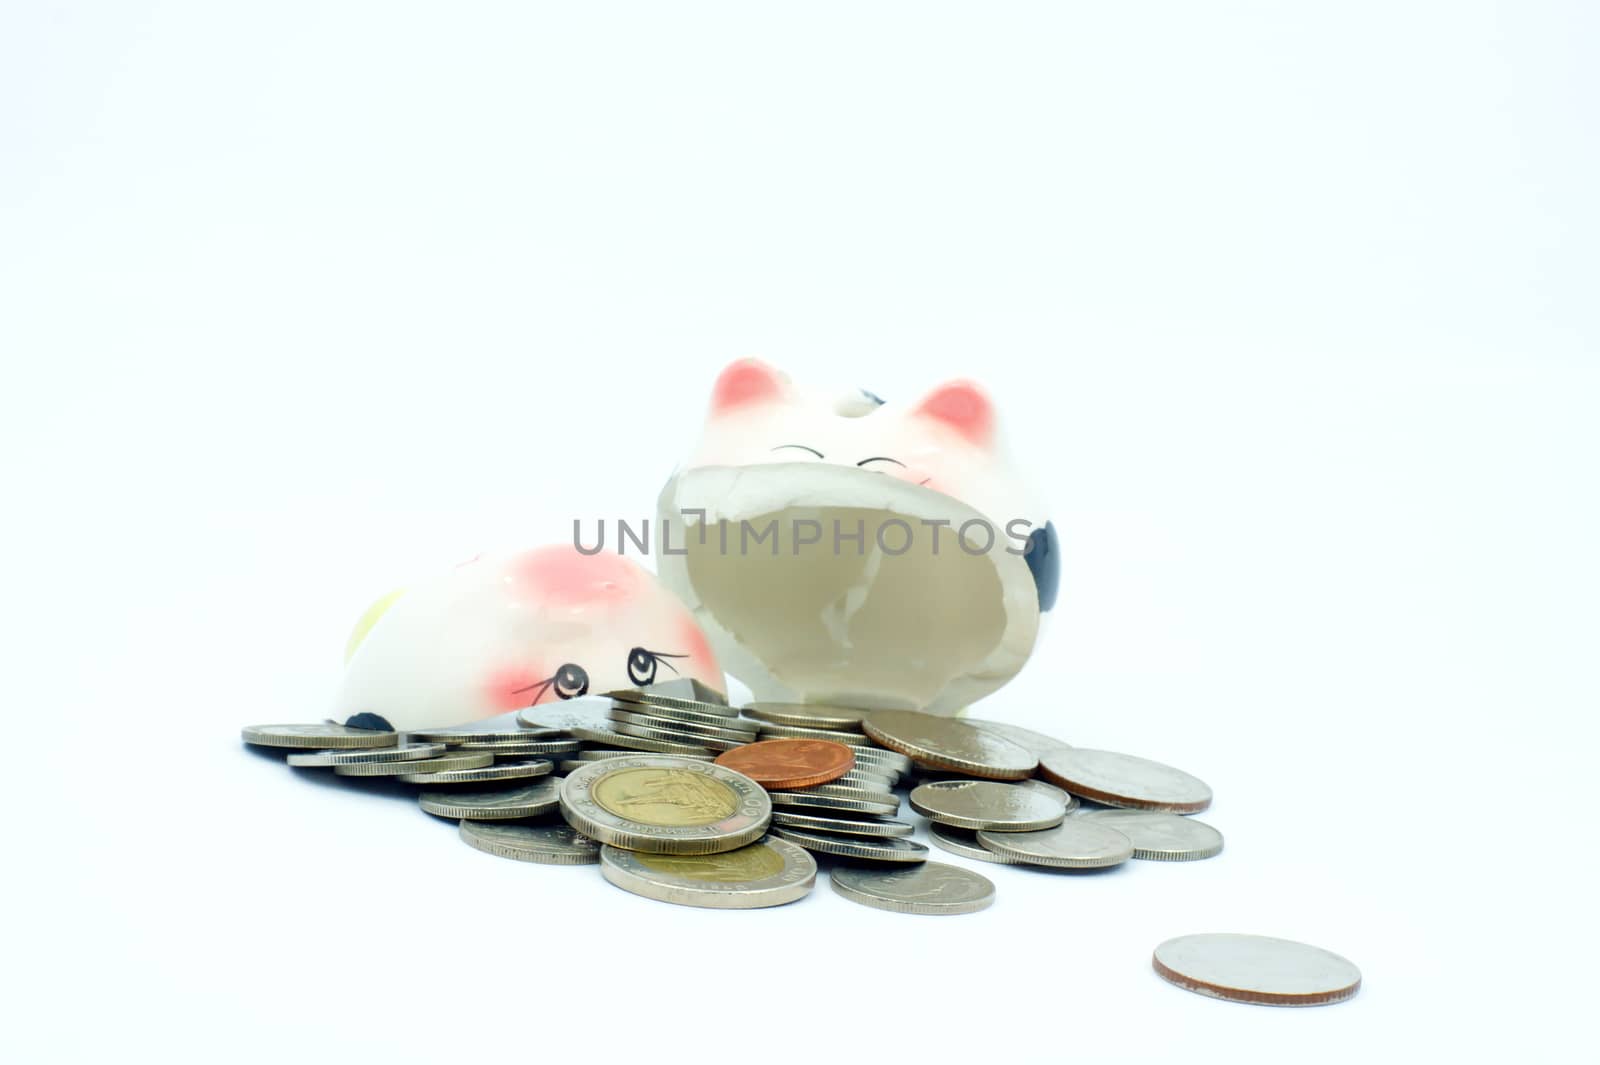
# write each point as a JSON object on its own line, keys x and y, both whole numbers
{"x": 990, "y": 791}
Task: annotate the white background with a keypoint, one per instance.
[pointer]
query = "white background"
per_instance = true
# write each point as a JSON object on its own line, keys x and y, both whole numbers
{"x": 1288, "y": 309}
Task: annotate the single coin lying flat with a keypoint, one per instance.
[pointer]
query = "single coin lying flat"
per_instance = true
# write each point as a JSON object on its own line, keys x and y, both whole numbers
{"x": 1117, "y": 779}
{"x": 1256, "y": 969}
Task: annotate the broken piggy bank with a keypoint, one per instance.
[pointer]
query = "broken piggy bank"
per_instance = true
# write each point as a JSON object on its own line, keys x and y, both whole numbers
{"x": 838, "y": 549}
{"x": 507, "y": 631}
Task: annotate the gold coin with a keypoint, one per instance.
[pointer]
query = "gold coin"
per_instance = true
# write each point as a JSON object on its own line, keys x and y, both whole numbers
{"x": 669, "y": 797}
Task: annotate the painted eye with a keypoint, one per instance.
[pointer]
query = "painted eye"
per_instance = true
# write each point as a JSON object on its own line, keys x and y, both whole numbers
{"x": 571, "y": 681}
{"x": 642, "y": 664}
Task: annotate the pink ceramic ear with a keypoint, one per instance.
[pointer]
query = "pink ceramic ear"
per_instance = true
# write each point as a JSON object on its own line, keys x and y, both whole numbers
{"x": 746, "y": 382}
{"x": 962, "y": 406}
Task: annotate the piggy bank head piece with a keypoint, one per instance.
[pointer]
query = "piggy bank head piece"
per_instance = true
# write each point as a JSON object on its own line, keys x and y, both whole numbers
{"x": 837, "y": 548}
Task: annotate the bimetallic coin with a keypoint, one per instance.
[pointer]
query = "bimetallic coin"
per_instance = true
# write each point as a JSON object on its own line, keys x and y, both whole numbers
{"x": 1069, "y": 800}
{"x": 944, "y": 743}
{"x": 873, "y": 850}
{"x": 403, "y": 752}
{"x": 987, "y": 804}
{"x": 672, "y": 735}
{"x": 479, "y": 774}
{"x": 790, "y": 763}
{"x": 665, "y": 805}
{"x": 529, "y": 801}
{"x": 1162, "y": 837}
{"x": 1125, "y": 780}
{"x": 464, "y": 760}
{"x": 1073, "y": 844}
{"x": 1037, "y": 742}
{"x": 544, "y": 844}
{"x": 792, "y": 732}
{"x": 859, "y": 802}
{"x": 930, "y": 888}
{"x": 629, "y": 695}
{"x": 770, "y": 872}
{"x": 693, "y": 728}
{"x": 839, "y": 826}
{"x": 637, "y": 743}
{"x": 807, "y": 715}
{"x": 964, "y": 842}
{"x": 1256, "y": 969}
{"x": 316, "y": 737}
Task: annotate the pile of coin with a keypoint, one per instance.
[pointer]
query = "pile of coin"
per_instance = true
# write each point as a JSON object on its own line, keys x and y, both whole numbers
{"x": 682, "y": 798}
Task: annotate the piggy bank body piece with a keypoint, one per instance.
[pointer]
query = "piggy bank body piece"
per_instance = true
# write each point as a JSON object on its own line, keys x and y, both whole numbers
{"x": 839, "y": 549}
{"x": 506, "y": 631}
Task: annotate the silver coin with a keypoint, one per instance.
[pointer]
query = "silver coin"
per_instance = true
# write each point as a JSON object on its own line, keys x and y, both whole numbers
{"x": 528, "y": 801}
{"x": 930, "y": 888}
{"x": 886, "y": 849}
{"x": 316, "y": 737}
{"x": 1069, "y": 800}
{"x": 964, "y": 842}
{"x": 403, "y": 752}
{"x": 665, "y": 805}
{"x": 480, "y": 737}
{"x": 633, "y": 695}
{"x": 769, "y": 872}
{"x": 439, "y": 764}
{"x": 882, "y": 760}
{"x": 693, "y": 728}
{"x": 524, "y": 748}
{"x": 792, "y": 732}
{"x": 1116, "y": 779}
{"x": 600, "y": 754}
{"x": 945, "y": 743}
{"x": 1160, "y": 836}
{"x": 861, "y": 803}
{"x": 987, "y": 804}
{"x": 672, "y": 735}
{"x": 692, "y": 720}
{"x": 686, "y": 688}
{"x": 587, "y": 711}
{"x": 1037, "y": 742}
{"x": 807, "y": 715}
{"x": 638, "y": 743}
{"x": 839, "y": 826}
{"x": 1073, "y": 844}
{"x": 860, "y": 778}
{"x": 544, "y": 844}
{"x": 524, "y": 770}
{"x": 1258, "y": 969}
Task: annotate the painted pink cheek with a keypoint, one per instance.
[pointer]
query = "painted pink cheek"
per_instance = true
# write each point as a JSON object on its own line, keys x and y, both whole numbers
{"x": 514, "y": 687}
{"x": 695, "y": 645}
{"x": 561, "y": 576}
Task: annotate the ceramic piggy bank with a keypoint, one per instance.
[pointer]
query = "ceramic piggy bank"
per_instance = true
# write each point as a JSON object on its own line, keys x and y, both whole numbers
{"x": 836, "y": 548}
{"x": 507, "y": 631}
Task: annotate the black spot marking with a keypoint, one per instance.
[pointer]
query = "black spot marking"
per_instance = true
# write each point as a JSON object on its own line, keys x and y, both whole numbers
{"x": 368, "y": 720}
{"x": 876, "y": 399}
{"x": 1043, "y": 556}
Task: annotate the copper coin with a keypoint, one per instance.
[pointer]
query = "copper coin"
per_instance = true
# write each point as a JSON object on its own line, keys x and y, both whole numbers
{"x": 790, "y": 763}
